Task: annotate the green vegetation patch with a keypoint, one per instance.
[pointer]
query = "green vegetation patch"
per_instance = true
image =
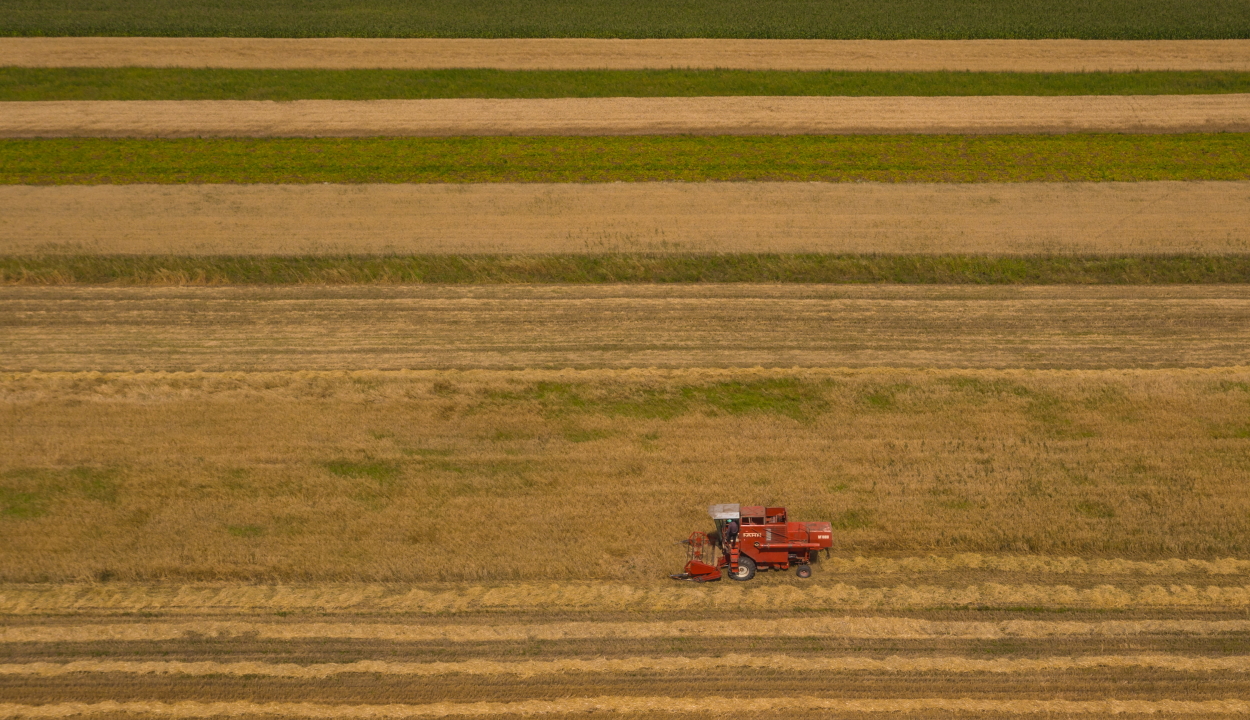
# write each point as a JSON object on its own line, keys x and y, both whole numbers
{"x": 25, "y": 84}
{"x": 624, "y": 268}
{"x": 27, "y": 493}
{"x": 1118, "y": 19}
{"x": 790, "y": 397}
{"x": 806, "y": 158}
{"x": 781, "y": 396}
{"x": 383, "y": 473}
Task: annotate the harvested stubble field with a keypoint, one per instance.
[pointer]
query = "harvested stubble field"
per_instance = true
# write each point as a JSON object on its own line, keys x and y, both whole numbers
{"x": 652, "y": 649}
{"x": 617, "y": 116}
{"x": 69, "y": 328}
{"x": 1012, "y": 219}
{"x": 1051, "y": 56}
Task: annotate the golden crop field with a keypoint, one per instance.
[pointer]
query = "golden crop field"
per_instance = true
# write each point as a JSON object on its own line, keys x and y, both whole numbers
{"x": 569, "y": 475}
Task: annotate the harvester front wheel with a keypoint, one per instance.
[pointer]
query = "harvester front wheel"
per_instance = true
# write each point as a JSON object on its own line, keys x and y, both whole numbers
{"x": 803, "y": 571}
{"x": 746, "y": 569}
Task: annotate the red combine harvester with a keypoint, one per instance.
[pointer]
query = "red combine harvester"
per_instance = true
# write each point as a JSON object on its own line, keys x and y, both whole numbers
{"x": 766, "y": 540}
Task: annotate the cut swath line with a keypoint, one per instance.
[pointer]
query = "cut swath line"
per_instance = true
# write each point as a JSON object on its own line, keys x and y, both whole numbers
{"x": 851, "y": 627}
{"x": 588, "y": 596}
{"x": 530, "y": 668}
{"x": 698, "y": 705}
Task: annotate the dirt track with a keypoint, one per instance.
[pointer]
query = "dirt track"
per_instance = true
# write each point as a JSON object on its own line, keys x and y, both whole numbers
{"x": 1015, "y": 218}
{"x": 577, "y": 54}
{"x": 629, "y": 116}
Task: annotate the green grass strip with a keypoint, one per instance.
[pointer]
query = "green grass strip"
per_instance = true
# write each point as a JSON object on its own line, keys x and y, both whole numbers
{"x": 824, "y": 158}
{"x": 879, "y": 19}
{"x": 622, "y": 268}
{"x": 220, "y": 84}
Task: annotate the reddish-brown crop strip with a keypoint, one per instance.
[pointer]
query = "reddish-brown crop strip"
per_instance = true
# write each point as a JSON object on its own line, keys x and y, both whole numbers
{"x": 578, "y": 54}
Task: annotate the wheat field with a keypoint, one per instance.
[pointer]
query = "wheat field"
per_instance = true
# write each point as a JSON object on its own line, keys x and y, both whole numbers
{"x": 356, "y": 476}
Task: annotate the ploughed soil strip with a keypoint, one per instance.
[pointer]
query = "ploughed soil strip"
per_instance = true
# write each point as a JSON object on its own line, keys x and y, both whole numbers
{"x": 581, "y": 54}
{"x": 620, "y": 326}
{"x": 764, "y": 115}
{"x": 751, "y": 217}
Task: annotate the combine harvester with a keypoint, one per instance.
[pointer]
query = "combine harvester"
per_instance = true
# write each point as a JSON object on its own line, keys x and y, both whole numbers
{"x": 766, "y": 540}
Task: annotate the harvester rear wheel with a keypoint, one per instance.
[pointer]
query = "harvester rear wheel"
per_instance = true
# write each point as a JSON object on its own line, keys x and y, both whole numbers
{"x": 803, "y": 571}
{"x": 746, "y": 569}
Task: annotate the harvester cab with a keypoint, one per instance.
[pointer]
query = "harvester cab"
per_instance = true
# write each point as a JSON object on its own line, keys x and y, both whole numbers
{"x": 766, "y": 540}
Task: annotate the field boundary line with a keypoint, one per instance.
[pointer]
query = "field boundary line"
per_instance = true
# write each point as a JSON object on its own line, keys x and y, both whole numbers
{"x": 531, "y": 668}
{"x": 769, "y": 115}
{"x": 628, "y": 704}
{"x": 846, "y": 627}
{"x": 661, "y": 54}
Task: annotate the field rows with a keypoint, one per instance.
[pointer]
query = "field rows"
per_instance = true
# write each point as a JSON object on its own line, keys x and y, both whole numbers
{"x": 629, "y": 116}
{"x": 584, "y": 53}
{"x": 571, "y": 660}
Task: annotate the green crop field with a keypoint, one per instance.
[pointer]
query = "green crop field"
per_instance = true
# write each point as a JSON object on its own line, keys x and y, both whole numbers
{"x": 221, "y": 84}
{"x": 877, "y": 158}
{"x": 621, "y": 268}
{"x": 1117, "y": 19}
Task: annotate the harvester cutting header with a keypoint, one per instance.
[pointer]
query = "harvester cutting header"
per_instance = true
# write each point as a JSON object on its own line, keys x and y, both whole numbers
{"x": 750, "y": 538}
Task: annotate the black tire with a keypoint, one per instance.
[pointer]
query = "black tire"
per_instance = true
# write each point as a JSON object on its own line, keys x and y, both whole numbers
{"x": 746, "y": 569}
{"x": 803, "y": 571}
